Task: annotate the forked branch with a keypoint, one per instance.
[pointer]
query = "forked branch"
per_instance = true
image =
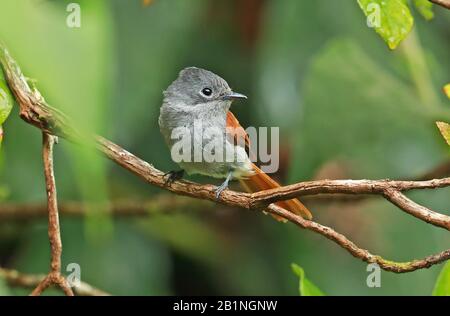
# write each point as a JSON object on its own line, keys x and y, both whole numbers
{"x": 16, "y": 279}
{"x": 34, "y": 110}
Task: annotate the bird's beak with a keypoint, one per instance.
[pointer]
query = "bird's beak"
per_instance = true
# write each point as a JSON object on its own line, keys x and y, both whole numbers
{"x": 234, "y": 95}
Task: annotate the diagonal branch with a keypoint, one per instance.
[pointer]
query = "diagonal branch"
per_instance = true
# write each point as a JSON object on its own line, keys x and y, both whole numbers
{"x": 34, "y": 110}
{"x": 409, "y": 206}
{"x": 354, "y": 250}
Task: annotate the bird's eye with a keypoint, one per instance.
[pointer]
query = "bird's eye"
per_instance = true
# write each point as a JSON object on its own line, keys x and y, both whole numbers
{"x": 207, "y": 92}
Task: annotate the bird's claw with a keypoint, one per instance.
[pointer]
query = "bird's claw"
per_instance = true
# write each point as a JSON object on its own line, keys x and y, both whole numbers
{"x": 220, "y": 189}
{"x": 224, "y": 185}
{"x": 173, "y": 176}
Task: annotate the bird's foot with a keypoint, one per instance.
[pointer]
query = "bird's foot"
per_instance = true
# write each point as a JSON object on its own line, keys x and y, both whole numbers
{"x": 223, "y": 186}
{"x": 220, "y": 189}
{"x": 173, "y": 176}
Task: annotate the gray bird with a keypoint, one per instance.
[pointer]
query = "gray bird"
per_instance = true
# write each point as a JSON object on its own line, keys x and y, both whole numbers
{"x": 197, "y": 103}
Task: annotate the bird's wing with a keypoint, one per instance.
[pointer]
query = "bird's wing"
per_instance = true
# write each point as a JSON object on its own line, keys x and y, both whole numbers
{"x": 236, "y": 131}
{"x": 260, "y": 180}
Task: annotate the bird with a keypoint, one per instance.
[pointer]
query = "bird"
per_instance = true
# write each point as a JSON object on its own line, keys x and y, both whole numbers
{"x": 198, "y": 103}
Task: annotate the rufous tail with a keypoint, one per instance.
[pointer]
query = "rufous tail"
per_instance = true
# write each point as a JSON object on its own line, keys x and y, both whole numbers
{"x": 261, "y": 181}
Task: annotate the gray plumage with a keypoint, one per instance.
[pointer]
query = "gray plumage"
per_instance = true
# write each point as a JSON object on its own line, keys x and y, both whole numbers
{"x": 186, "y": 101}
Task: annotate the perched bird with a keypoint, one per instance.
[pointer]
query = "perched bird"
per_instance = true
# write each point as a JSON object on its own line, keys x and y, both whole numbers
{"x": 198, "y": 102}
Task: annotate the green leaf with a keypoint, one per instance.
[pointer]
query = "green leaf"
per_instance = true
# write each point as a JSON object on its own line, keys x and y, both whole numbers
{"x": 391, "y": 19}
{"x": 425, "y": 8}
{"x": 442, "y": 286}
{"x": 306, "y": 287}
{"x": 444, "y": 128}
{"x": 6, "y": 103}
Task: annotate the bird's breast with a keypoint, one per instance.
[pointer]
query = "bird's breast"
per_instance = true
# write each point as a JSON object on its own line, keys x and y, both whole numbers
{"x": 200, "y": 133}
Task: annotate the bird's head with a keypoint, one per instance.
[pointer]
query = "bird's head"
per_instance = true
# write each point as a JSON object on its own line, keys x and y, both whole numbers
{"x": 196, "y": 86}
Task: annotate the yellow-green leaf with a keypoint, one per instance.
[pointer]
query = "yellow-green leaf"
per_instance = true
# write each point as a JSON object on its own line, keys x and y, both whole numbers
{"x": 391, "y": 19}
{"x": 447, "y": 90}
{"x": 444, "y": 128}
{"x": 442, "y": 286}
{"x": 425, "y": 8}
{"x": 306, "y": 287}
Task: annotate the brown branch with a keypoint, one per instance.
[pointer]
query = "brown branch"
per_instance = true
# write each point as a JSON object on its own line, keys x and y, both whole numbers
{"x": 442, "y": 3}
{"x": 168, "y": 203}
{"x": 260, "y": 200}
{"x": 416, "y": 210}
{"x": 159, "y": 204}
{"x": 17, "y": 279}
{"x": 35, "y": 111}
{"x": 54, "y": 277}
{"x": 363, "y": 254}
{"x": 388, "y": 188}
{"x": 164, "y": 203}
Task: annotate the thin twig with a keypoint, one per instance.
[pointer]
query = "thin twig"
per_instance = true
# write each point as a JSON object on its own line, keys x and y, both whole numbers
{"x": 54, "y": 277}
{"x": 34, "y": 110}
{"x": 17, "y": 279}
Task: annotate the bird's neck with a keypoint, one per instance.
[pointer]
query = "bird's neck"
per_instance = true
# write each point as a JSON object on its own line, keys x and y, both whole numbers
{"x": 203, "y": 111}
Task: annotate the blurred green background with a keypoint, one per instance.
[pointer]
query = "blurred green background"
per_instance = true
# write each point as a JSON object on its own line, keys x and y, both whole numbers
{"x": 348, "y": 107}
